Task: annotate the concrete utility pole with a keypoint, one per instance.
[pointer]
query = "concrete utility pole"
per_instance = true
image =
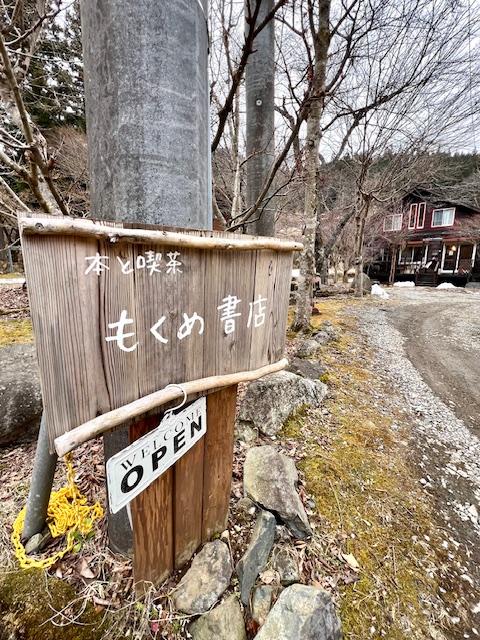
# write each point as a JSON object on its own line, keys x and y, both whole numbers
{"x": 146, "y": 93}
{"x": 260, "y": 105}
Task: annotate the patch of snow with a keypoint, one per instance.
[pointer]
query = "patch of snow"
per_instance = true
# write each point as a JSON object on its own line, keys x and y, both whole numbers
{"x": 446, "y": 285}
{"x": 378, "y": 291}
{"x": 407, "y": 283}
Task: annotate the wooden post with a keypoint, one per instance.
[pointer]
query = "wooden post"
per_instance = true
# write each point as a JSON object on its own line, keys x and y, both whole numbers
{"x": 189, "y": 503}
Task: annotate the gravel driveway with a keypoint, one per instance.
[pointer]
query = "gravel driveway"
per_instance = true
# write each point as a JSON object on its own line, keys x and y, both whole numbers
{"x": 428, "y": 344}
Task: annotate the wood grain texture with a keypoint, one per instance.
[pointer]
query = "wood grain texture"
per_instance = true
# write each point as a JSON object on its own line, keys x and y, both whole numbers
{"x": 111, "y": 327}
{"x": 218, "y": 460}
{"x": 188, "y": 503}
{"x": 152, "y": 519}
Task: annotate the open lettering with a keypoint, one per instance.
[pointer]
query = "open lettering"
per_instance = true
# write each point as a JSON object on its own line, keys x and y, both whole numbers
{"x": 136, "y": 467}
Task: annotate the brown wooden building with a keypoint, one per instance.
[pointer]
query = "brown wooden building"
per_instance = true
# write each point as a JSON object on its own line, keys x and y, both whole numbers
{"x": 431, "y": 240}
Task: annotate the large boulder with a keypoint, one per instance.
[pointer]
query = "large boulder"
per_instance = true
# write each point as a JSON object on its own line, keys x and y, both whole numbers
{"x": 206, "y": 580}
{"x": 303, "y": 613}
{"x": 20, "y": 395}
{"x": 270, "y": 400}
{"x": 270, "y": 480}
{"x": 366, "y": 283}
{"x": 225, "y": 622}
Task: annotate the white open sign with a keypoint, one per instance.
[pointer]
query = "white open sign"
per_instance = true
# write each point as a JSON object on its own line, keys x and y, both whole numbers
{"x": 138, "y": 465}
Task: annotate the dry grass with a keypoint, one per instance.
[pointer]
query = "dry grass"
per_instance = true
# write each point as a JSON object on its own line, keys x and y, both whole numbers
{"x": 358, "y": 467}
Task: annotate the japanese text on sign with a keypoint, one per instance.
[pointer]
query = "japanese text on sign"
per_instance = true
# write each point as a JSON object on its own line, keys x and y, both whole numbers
{"x": 122, "y": 329}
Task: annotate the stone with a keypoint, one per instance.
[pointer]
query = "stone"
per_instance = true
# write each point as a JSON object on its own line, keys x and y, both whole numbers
{"x": 303, "y": 613}
{"x": 225, "y": 622}
{"x": 20, "y": 394}
{"x": 474, "y": 286}
{"x": 366, "y": 283}
{"x": 255, "y": 557}
{"x": 33, "y": 545}
{"x": 245, "y": 432}
{"x": 306, "y": 369}
{"x": 262, "y": 600}
{"x": 270, "y": 400}
{"x": 270, "y": 480}
{"x": 286, "y": 565}
{"x": 325, "y": 335}
{"x": 206, "y": 580}
{"x": 306, "y": 349}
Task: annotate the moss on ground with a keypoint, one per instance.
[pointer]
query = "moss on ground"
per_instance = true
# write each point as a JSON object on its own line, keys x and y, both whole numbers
{"x": 15, "y": 332}
{"x": 358, "y": 470}
{"x": 29, "y": 601}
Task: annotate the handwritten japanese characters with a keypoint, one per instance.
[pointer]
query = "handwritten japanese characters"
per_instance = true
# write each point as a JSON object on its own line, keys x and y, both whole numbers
{"x": 124, "y": 337}
{"x": 151, "y": 261}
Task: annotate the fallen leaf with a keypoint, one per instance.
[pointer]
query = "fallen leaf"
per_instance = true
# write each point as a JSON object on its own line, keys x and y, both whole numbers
{"x": 84, "y": 570}
{"x": 269, "y": 576}
{"x": 351, "y": 561}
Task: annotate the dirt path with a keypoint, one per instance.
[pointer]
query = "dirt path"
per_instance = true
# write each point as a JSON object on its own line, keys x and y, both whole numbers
{"x": 442, "y": 340}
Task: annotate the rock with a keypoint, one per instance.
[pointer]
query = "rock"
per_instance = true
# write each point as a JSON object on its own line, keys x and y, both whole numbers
{"x": 366, "y": 283}
{"x": 286, "y": 565}
{"x": 262, "y": 600}
{"x": 306, "y": 369}
{"x": 474, "y": 286}
{"x": 37, "y": 542}
{"x": 246, "y": 505}
{"x": 269, "y": 479}
{"x": 256, "y": 555}
{"x": 206, "y": 580}
{"x": 270, "y": 400}
{"x": 303, "y": 613}
{"x": 324, "y": 336}
{"x": 306, "y": 349}
{"x": 20, "y": 395}
{"x": 245, "y": 432}
{"x": 225, "y": 622}
{"x": 33, "y": 544}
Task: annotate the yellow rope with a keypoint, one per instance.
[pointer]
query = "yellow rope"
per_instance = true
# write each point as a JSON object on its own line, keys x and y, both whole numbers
{"x": 67, "y": 512}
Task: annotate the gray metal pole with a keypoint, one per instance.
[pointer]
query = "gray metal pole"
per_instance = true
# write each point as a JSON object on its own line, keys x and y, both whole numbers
{"x": 260, "y": 106}
{"x": 146, "y": 94}
{"x": 41, "y": 485}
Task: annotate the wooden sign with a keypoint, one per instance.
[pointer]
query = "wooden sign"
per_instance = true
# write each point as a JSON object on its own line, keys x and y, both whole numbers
{"x": 121, "y": 312}
{"x": 132, "y": 470}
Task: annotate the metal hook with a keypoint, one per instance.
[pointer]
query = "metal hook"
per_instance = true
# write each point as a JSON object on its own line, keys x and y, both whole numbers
{"x": 169, "y": 412}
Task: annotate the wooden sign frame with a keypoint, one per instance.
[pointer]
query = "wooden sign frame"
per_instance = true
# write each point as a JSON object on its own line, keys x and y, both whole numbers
{"x": 120, "y": 312}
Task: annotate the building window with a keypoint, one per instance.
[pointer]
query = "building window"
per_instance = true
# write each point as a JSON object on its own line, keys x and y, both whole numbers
{"x": 422, "y": 207}
{"x": 443, "y": 217}
{"x": 393, "y": 223}
{"x": 412, "y": 216}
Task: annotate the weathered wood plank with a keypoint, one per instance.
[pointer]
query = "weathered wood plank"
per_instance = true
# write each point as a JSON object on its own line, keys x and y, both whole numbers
{"x": 218, "y": 460}
{"x": 152, "y": 519}
{"x": 188, "y": 503}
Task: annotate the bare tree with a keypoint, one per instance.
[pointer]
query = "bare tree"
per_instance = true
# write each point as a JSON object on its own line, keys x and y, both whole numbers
{"x": 23, "y": 148}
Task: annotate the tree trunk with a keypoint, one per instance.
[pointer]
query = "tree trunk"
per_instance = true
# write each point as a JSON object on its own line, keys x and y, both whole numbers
{"x": 260, "y": 108}
{"x": 303, "y": 311}
{"x": 363, "y": 206}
